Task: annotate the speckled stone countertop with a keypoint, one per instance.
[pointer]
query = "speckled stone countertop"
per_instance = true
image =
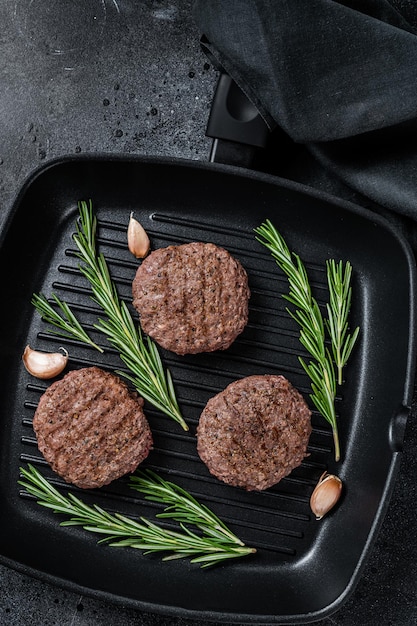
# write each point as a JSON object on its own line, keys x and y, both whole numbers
{"x": 124, "y": 76}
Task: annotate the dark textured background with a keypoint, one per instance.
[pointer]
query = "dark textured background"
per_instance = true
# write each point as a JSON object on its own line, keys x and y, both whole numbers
{"x": 128, "y": 76}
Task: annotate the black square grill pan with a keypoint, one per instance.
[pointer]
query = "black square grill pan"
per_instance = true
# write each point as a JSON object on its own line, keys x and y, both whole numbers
{"x": 303, "y": 569}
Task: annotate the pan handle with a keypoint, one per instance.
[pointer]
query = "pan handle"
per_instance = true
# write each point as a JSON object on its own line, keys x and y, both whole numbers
{"x": 235, "y": 125}
{"x": 397, "y": 428}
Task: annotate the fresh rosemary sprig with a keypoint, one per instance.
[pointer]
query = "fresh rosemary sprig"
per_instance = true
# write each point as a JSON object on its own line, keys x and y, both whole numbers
{"x": 338, "y": 310}
{"x": 182, "y": 507}
{"x": 312, "y": 325}
{"x": 214, "y": 543}
{"x": 67, "y": 322}
{"x": 139, "y": 354}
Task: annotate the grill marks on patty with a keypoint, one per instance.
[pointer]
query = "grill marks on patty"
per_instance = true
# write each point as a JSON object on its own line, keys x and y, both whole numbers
{"x": 91, "y": 429}
{"x": 192, "y": 298}
{"x": 255, "y": 432}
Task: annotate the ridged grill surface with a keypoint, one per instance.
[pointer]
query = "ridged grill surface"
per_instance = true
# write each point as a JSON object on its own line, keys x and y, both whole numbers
{"x": 279, "y": 520}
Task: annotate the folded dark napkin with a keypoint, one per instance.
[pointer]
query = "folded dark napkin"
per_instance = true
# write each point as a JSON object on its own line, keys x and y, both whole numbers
{"x": 338, "y": 77}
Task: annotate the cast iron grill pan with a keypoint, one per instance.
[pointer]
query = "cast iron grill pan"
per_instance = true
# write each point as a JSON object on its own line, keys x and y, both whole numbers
{"x": 303, "y": 569}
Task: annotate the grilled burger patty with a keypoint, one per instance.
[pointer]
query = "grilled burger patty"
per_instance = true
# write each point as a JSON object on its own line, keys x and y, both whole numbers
{"x": 254, "y": 432}
{"x": 91, "y": 429}
{"x": 192, "y": 298}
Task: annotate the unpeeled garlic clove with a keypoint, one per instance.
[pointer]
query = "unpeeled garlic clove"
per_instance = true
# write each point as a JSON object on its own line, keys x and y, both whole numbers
{"x": 325, "y": 495}
{"x": 137, "y": 238}
{"x": 44, "y": 364}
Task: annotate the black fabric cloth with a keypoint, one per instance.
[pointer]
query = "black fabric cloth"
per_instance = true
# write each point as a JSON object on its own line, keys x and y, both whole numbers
{"x": 337, "y": 76}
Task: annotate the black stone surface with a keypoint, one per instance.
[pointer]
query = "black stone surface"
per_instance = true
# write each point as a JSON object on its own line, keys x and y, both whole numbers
{"x": 128, "y": 76}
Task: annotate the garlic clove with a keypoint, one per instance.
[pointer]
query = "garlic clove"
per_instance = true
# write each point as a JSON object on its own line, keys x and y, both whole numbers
{"x": 137, "y": 238}
{"x": 44, "y": 364}
{"x": 325, "y": 495}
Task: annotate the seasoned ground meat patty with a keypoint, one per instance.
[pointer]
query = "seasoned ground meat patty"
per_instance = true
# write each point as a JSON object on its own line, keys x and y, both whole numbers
{"x": 192, "y": 298}
{"x": 254, "y": 432}
{"x": 91, "y": 429}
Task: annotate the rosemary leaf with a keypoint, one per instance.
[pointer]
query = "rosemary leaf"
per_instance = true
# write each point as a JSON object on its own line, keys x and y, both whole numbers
{"x": 67, "y": 322}
{"x": 182, "y": 506}
{"x": 121, "y": 531}
{"x": 141, "y": 357}
{"x": 338, "y": 308}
